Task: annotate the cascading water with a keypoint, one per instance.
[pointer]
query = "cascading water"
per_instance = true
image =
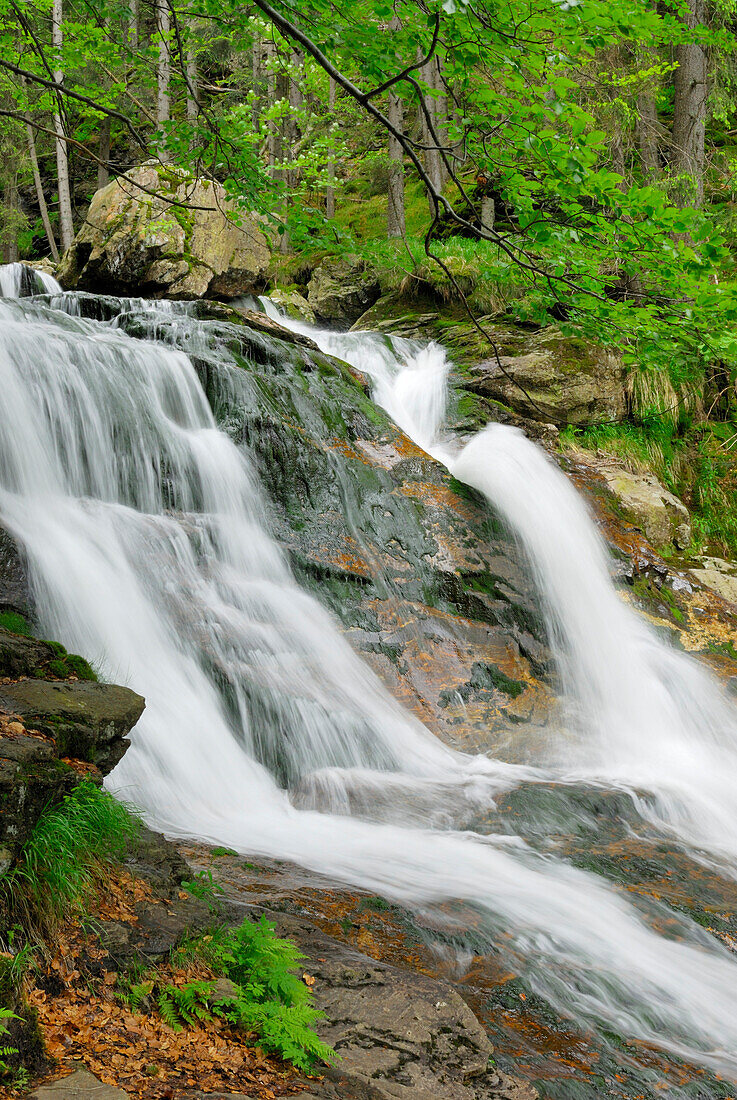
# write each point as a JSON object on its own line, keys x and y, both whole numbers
{"x": 148, "y": 553}
{"x": 643, "y": 717}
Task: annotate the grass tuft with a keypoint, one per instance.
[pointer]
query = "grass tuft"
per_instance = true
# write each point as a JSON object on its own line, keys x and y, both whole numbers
{"x": 64, "y": 860}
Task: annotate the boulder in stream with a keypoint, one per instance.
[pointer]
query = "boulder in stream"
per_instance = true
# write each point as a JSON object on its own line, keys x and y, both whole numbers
{"x": 160, "y": 233}
{"x": 645, "y": 502}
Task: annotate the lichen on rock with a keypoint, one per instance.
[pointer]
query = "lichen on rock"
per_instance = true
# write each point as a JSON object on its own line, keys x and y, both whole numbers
{"x": 158, "y": 232}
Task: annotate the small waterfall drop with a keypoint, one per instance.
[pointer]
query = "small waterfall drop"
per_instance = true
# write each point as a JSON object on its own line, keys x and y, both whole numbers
{"x": 21, "y": 281}
{"x": 646, "y": 717}
{"x": 148, "y": 553}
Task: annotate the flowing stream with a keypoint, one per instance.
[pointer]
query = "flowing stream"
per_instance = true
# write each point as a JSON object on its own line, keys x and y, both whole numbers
{"x": 148, "y": 550}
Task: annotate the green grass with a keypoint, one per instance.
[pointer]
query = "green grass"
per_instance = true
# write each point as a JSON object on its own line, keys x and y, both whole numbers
{"x": 63, "y": 862}
{"x": 697, "y": 462}
{"x": 364, "y": 215}
{"x": 15, "y": 623}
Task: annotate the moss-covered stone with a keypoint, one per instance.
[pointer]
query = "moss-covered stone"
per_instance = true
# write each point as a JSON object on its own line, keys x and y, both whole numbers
{"x": 161, "y": 233}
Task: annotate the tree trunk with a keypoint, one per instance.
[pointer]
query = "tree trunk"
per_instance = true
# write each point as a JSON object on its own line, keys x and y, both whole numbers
{"x": 689, "y": 110}
{"x": 103, "y": 172}
{"x": 10, "y": 243}
{"x": 330, "y": 191}
{"x": 648, "y": 135}
{"x": 163, "y": 68}
{"x": 433, "y": 128}
{"x": 274, "y": 143}
{"x": 256, "y": 77}
{"x": 190, "y": 72}
{"x": 395, "y": 224}
{"x": 133, "y": 24}
{"x": 40, "y": 197}
{"x": 66, "y": 219}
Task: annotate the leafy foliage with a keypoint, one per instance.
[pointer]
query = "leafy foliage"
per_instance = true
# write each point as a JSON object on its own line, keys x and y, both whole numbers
{"x": 5, "y": 1050}
{"x": 271, "y": 1000}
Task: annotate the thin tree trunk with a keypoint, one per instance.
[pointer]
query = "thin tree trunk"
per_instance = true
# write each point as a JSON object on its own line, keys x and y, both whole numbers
{"x": 163, "y": 68}
{"x": 274, "y": 145}
{"x": 10, "y": 244}
{"x": 648, "y": 136}
{"x": 433, "y": 129}
{"x": 103, "y": 172}
{"x": 256, "y": 76}
{"x": 66, "y": 219}
{"x": 40, "y": 197}
{"x": 395, "y": 223}
{"x": 192, "y": 83}
{"x": 133, "y": 24}
{"x": 689, "y": 109}
{"x": 330, "y": 191}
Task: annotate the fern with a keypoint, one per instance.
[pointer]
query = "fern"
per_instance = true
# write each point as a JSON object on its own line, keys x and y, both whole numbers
{"x": 6, "y": 1051}
{"x": 187, "y": 1004}
{"x": 272, "y": 1001}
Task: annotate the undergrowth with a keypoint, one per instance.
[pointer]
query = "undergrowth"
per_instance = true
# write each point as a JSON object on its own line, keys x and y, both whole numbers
{"x": 697, "y": 462}
{"x": 266, "y": 998}
{"x": 65, "y": 859}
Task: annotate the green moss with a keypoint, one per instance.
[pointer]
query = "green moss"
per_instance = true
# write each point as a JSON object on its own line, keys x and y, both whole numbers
{"x": 66, "y": 664}
{"x": 15, "y": 623}
{"x": 485, "y": 676}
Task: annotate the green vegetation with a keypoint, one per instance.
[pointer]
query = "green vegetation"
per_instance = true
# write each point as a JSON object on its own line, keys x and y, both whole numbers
{"x": 68, "y": 664}
{"x": 5, "y": 1050}
{"x": 267, "y": 996}
{"x": 69, "y": 852}
{"x": 15, "y": 623}
{"x": 695, "y": 459}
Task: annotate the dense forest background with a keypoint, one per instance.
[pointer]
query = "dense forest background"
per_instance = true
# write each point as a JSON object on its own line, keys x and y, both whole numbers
{"x": 567, "y": 162}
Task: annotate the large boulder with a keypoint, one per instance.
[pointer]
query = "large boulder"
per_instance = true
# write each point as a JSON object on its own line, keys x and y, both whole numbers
{"x": 160, "y": 233}
{"x": 52, "y": 732}
{"x": 85, "y": 721}
{"x": 719, "y": 575}
{"x": 341, "y": 290}
{"x": 553, "y": 378}
{"x": 293, "y": 305}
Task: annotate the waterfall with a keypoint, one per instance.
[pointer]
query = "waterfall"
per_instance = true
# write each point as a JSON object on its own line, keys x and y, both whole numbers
{"x": 21, "y": 281}
{"x": 643, "y": 717}
{"x": 148, "y": 552}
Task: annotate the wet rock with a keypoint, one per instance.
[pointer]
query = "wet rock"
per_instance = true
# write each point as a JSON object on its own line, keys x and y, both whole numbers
{"x": 422, "y": 576}
{"x": 87, "y": 721}
{"x": 79, "y": 1085}
{"x": 340, "y": 290}
{"x": 32, "y": 778}
{"x": 155, "y": 859}
{"x": 136, "y": 240}
{"x": 14, "y": 590}
{"x": 399, "y": 1034}
{"x": 719, "y": 575}
{"x": 645, "y": 502}
{"x": 160, "y": 927}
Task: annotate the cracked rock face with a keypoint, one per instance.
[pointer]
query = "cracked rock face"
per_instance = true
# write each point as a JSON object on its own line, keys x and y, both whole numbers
{"x": 400, "y": 1035}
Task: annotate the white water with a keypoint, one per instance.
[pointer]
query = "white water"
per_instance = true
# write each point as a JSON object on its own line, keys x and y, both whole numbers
{"x": 17, "y": 280}
{"x": 180, "y": 592}
{"x": 644, "y": 717}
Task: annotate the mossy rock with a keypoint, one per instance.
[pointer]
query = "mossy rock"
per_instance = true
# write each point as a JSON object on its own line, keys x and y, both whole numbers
{"x": 162, "y": 233}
